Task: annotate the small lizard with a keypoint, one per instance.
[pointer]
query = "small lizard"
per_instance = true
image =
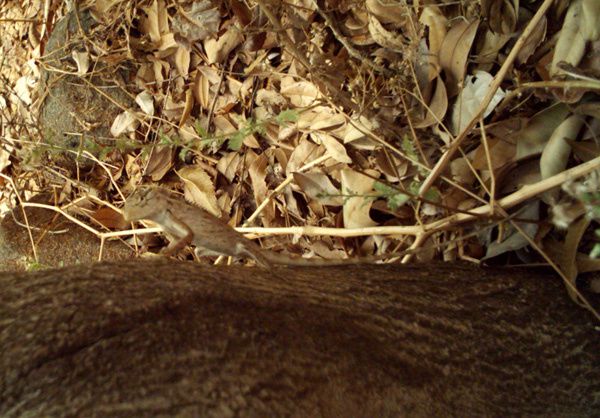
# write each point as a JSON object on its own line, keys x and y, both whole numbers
{"x": 185, "y": 224}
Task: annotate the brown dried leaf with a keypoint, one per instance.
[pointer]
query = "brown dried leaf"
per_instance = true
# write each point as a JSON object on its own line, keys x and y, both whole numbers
{"x": 333, "y": 147}
{"x": 109, "y": 218}
{"x": 455, "y": 52}
{"x": 197, "y": 22}
{"x": 356, "y": 208}
{"x": 229, "y": 164}
{"x": 159, "y": 162}
{"x": 218, "y": 49}
{"x": 319, "y": 187}
{"x": 437, "y": 107}
{"x": 199, "y": 188}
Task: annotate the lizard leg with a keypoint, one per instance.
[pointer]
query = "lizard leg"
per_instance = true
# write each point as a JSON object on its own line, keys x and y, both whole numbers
{"x": 204, "y": 252}
{"x": 180, "y": 236}
{"x": 256, "y": 255}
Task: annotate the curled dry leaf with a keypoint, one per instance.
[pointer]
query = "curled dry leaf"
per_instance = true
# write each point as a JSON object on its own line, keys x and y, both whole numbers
{"x": 580, "y": 26}
{"x": 319, "y": 187}
{"x": 470, "y": 98}
{"x": 197, "y": 22}
{"x": 82, "y": 59}
{"x": 333, "y": 147}
{"x": 557, "y": 151}
{"x": 533, "y": 137}
{"x": 455, "y": 52}
{"x": 218, "y": 49}
{"x": 159, "y": 162}
{"x": 125, "y": 122}
{"x": 145, "y": 102}
{"x": 199, "y": 188}
{"x": 357, "y": 190}
{"x": 109, "y": 218}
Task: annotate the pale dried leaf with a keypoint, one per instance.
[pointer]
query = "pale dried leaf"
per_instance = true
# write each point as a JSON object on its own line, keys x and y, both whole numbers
{"x": 514, "y": 240}
{"x": 333, "y": 147}
{"x": 197, "y": 22}
{"x": 125, "y": 122}
{"x": 533, "y": 137}
{"x": 218, "y": 49}
{"x": 199, "y": 188}
{"x": 319, "y": 187}
{"x": 146, "y": 102}
{"x": 470, "y": 98}
{"x": 356, "y": 208}
{"x": 82, "y": 59}
{"x": 159, "y": 162}
{"x": 455, "y": 52}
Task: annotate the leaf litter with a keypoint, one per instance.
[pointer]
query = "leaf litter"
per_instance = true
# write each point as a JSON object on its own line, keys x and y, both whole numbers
{"x": 444, "y": 129}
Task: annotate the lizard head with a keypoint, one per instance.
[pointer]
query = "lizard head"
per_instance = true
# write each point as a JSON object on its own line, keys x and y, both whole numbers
{"x": 143, "y": 203}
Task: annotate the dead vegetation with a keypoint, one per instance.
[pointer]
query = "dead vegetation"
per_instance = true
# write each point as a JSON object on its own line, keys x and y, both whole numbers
{"x": 437, "y": 129}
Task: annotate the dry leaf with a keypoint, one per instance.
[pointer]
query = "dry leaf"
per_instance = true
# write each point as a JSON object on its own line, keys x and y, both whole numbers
{"x": 145, "y": 102}
{"x": 109, "y": 218}
{"x": 333, "y": 147}
{"x": 159, "y": 162}
{"x": 125, "y": 122}
{"x": 197, "y": 22}
{"x": 356, "y": 208}
{"x": 199, "y": 188}
{"x": 470, "y": 98}
{"x": 82, "y": 59}
{"x": 533, "y": 137}
{"x": 318, "y": 186}
{"x": 218, "y": 49}
{"x": 455, "y": 52}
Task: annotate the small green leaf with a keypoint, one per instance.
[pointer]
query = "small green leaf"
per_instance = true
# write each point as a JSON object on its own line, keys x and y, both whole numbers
{"x": 236, "y": 141}
{"x": 285, "y": 116}
{"x": 199, "y": 129}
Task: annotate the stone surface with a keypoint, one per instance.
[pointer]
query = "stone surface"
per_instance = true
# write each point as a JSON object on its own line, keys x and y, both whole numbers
{"x": 78, "y": 111}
